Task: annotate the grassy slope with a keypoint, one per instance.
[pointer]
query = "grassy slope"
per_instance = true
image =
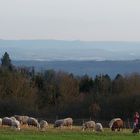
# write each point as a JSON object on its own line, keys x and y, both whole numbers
{"x": 8, "y": 134}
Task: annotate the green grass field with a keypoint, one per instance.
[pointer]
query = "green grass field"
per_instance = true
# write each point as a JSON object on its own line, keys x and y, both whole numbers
{"x": 56, "y": 134}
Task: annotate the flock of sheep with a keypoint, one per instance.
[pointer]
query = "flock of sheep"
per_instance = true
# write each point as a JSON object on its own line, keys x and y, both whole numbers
{"x": 17, "y": 121}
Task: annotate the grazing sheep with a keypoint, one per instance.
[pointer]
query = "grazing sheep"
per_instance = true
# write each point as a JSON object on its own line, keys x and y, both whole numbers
{"x": 7, "y": 121}
{"x": 22, "y": 119}
{"x": 43, "y": 125}
{"x": 68, "y": 122}
{"x": 116, "y": 123}
{"x": 33, "y": 122}
{"x": 19, "y": 118}
{"x": 112, "y": 121}
{"x": 88, "y": 125}
{"x": 16, "y": 124}
{"x": 64, "y": 122}
{"x": 98, "y": 127}
{"x": 59, "y": 123}
{"x": 11, "y": 122}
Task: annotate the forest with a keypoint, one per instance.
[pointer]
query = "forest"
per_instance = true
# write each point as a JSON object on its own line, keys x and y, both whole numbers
{"x": 56, "y": 93}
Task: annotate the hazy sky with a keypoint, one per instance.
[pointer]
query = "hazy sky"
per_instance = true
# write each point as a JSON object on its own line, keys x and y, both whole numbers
{"x": 70, "y": 19}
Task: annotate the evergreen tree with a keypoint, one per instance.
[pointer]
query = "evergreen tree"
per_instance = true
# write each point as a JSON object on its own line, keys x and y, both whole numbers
{"x": 6, "y": 61}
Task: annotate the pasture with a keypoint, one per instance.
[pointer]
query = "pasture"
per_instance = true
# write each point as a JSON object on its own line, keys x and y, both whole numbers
{"x": 65, "y": 134}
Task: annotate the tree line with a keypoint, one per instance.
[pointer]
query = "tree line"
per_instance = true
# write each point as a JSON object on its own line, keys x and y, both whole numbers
{"x": 57, "y": 93}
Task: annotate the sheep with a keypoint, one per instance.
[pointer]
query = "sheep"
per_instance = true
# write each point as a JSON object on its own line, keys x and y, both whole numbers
{"x": 88, "y": 125}
{"x": 64, "y": 122}
{"x": 68, "y": 122}
{"x": 112, "y": 121}
{"x": 11, "y": 122}
{"x": 116, "y": 123}
{"x": 59, "y": 123}
{"x": 43, "y": 125}
{"x": 22, "y": 119}
{"x": 33, "y": 122}
{"x": 7, "y": 121}
{"x": 98, "y": 127}
{"x": 16, "y": 124}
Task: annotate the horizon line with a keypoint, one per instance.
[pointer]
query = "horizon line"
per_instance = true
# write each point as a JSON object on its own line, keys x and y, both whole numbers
{"x": 68, "y": 40}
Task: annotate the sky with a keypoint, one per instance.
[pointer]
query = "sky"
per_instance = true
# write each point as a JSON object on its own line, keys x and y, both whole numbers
{"x": 87, "y": 20}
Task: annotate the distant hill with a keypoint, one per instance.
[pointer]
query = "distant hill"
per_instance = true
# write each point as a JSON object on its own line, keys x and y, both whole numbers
{"x": 59, "y": 50}
{"x": 78, "y": 57}
{"x": 91, "y": 68}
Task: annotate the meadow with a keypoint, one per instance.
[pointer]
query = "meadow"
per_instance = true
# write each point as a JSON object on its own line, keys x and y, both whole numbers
{"x": 65, "y": 134}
